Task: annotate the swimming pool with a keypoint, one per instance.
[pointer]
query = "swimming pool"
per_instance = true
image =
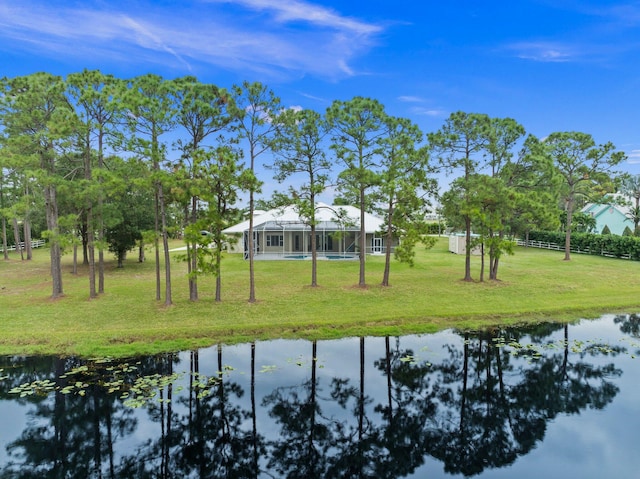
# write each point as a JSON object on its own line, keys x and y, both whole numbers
{"x": 347, "y": 256}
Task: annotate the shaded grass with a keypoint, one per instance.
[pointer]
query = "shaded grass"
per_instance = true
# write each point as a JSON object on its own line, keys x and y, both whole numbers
{"x": 536, "y": 285}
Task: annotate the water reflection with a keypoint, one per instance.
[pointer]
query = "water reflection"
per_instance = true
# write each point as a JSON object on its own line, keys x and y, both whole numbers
{"x": 450, "y": 404}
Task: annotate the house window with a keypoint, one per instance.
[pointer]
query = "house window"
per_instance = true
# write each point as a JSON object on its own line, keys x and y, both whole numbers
{"x": 275, "y": 240}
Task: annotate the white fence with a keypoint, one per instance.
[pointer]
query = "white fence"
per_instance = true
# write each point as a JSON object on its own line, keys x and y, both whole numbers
{"x": 557, "y": 247}
{"x": 34, "y": 244}
{"x": 539, "y": 244}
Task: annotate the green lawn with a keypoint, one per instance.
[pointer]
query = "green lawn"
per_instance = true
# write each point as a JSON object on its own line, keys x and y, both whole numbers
{"x": 535, "y": 285}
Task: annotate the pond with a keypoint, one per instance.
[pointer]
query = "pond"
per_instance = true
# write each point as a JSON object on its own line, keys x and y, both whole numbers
{"x": 549, "y": 400}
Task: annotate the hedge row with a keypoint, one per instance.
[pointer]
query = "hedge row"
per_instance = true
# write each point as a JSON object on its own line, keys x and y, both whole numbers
{"x": 601, "y": 245}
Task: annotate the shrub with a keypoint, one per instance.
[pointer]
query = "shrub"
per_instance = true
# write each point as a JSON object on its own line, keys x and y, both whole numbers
{"x": 435, "y": 228}
{"x": 618, "y": 246}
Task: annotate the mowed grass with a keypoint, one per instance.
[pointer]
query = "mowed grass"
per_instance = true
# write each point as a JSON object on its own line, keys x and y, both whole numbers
{"x": 535, "y": 285}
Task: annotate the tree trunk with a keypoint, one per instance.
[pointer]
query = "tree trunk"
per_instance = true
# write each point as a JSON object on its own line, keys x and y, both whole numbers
{"x": 192, "y": 255}
{"x": 567, "y": 238}
{"x": 16, "y": 238}
{"x": 84, "y": 235}
{"x": 252, "y": 284}
{"x": 314, "y": 255}
{"x": 165, "y": 244}
{"x": 100, "y": 222}
{"x": 493, "y": 271}
{"x": 218, "y": 282}
{"x": 482, "y": 262}
{"x": 56, "y": 270}
{"x": 5, "y": 253}
{"x": 467, "y": 252}
{"x": 88, "y": 244}
{"x": 389, "y": 238}
{"x": 51, "y": 208}
{"x": 363, "y": 241}
{"x": 218, "y": 260}
{"x": 156, "y": 244}
{"x": 26, "y": 229}
{"x": 91, "y": 253}
{"x": 492, "y": 256}
{"x": 314, "y": 246}
{"x": 192, "y": 265}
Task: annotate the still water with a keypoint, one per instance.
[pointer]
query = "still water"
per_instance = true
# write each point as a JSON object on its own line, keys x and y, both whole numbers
{"x": 545, "y": 401}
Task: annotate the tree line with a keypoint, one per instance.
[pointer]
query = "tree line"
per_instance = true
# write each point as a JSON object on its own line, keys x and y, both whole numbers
{"x": 100, "y": 163}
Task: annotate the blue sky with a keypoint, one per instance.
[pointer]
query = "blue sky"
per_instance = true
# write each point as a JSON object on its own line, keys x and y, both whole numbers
{"x": 553, "y": 65}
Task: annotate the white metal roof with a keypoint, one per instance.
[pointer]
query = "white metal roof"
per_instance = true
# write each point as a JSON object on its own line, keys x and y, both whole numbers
{"x": 624, "y": 204}
{"x": 327, "y": 216}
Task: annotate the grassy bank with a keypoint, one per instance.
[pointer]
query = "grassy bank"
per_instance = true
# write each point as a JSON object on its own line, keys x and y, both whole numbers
{"x": 536, "y": 285}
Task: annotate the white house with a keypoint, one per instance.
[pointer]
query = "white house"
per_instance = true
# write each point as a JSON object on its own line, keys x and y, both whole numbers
{"x": 281, "y": 233}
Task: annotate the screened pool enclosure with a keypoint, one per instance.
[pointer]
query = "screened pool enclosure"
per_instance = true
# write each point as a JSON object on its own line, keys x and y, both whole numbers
{"x": 282, "y": 234}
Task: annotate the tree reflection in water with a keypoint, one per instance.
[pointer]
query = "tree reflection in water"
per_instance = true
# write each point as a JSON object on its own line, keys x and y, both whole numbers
{"x": 629, "y": 324}
{"x": 478, "y": 401}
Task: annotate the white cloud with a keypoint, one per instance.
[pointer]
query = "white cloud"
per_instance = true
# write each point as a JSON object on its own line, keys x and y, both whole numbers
{"x": 292, "y": 11}
{"x": 633, "y": 157}
{"x": 623, "y": 15}
{"x": 419, "y": 106}
{"x": 410, "y": 99}
{"x": 433, "y": 112}
{"x": 315, "y": 41}
{"x": 543, "y": 51}
{"x": 313, "y": 97}
{"x": 147, "y": 39}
